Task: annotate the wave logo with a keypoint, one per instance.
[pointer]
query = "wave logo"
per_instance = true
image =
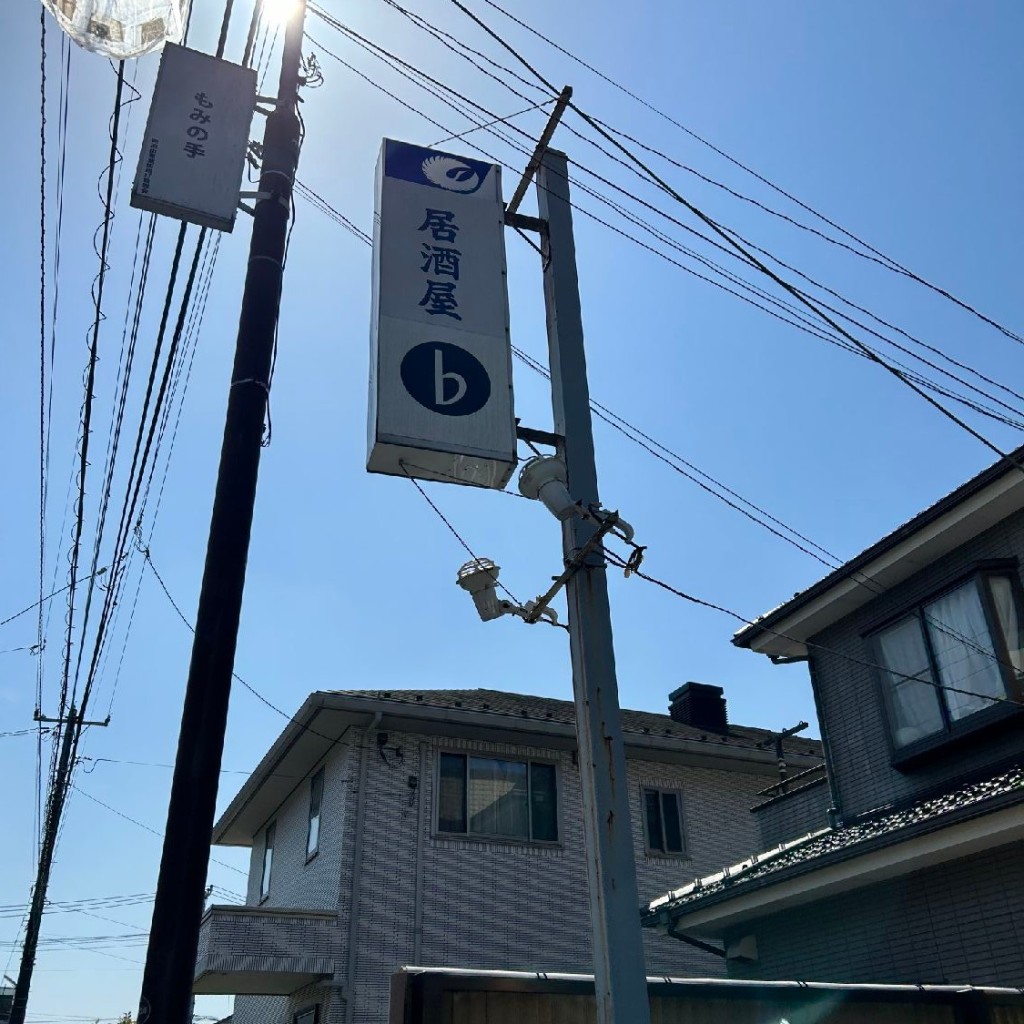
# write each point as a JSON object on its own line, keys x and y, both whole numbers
{"x": 448, "y": 173}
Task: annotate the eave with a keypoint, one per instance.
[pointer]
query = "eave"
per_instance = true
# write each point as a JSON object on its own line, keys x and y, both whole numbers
{"x": 976, "y": 506}
{"x": 325, "y": 718}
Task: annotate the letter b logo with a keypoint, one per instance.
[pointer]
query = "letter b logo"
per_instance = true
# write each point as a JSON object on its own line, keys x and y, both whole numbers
{"x": 445, "y": 379}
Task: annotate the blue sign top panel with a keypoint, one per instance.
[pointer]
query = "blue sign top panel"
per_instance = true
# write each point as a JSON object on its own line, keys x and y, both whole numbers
{"x": 435, "y": 169}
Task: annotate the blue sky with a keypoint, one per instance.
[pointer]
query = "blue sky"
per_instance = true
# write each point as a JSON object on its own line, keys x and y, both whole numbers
{"x": 898, "y": 120}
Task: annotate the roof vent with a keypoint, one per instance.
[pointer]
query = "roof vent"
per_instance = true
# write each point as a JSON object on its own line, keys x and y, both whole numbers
{"x": 699, "y": 705}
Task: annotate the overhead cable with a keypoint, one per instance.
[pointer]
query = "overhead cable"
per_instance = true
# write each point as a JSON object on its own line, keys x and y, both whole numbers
{"x": 790, "y": 314}
{"x": 886, "y": 260}
{"x": 749, "y": 256}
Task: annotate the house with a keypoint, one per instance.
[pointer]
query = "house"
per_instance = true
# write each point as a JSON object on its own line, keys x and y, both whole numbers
{"x": 916, "y": 657}
{"x": 445, "y": 827}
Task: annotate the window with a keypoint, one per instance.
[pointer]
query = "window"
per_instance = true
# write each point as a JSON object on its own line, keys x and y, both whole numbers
{"x": 316, "y": 796}
{"x": 491, "y": 796}
{"x": 268, "y": 859}
{"x": 951, "y": 659}
{"x": 310, "y": 1015}
{"x": 663, "y": 815}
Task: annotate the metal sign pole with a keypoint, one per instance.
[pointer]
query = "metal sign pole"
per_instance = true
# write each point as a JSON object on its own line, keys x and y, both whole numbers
{"x": 619, "y": 971}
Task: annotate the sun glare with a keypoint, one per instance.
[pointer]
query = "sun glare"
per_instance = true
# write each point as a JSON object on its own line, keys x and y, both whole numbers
{"x": 279, "y": 12}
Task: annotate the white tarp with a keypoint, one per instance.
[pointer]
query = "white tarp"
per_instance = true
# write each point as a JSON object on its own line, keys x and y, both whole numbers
{"x": 121, "y": 28}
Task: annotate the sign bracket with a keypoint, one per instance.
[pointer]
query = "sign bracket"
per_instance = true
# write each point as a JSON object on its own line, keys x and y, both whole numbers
{"x": 534, "y": 436}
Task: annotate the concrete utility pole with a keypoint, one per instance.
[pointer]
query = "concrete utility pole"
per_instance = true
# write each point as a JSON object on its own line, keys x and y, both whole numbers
{"x": 620, "y": 975}
{"x": 54, "y": 806}
{"x": 174, "y": 934}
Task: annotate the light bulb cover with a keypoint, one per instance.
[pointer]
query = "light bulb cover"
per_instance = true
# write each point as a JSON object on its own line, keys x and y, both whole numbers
{"x": 544, "y": 477}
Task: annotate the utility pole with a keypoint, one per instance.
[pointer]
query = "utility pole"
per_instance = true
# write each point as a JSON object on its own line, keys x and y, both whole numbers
{"x": 55, "y": 801}
{"x": 174, "y": 934}
{"x": 620, "y": 976}
{"x": 54, "y": 806}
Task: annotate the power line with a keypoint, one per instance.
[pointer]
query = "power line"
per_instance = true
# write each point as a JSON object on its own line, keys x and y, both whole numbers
{"x": 490, "y": 124}
{"x": 324, "y": 207}
{"x": 259, "y": 696}
{"x": 864, "y": 582}
{"x": 790, "y": 314}
{"x": 461, "y": 49}
{"x": 90, "y": 381}
{"x": 42, "y": 601}
{"x": 455, "y": 533}
{"x": 147, "y": 828}
{"x": 621, "y": 563}
{"x": 650, "y": 444}
{"x": 885, "y": 260}
{"x": 746, "y": 254}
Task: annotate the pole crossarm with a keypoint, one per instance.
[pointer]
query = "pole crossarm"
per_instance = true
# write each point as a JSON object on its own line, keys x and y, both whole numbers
{"x": 572, "y": 566}
{"x": 538, "y": 154}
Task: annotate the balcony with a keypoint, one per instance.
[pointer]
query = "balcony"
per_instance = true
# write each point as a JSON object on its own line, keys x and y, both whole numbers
{"x": 267, "y": 951}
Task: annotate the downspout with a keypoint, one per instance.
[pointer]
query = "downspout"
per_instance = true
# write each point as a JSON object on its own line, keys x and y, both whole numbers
{"x": 421, "y": 824}
{"x": 835, "y": 812}
{"x": 357, "y": 869}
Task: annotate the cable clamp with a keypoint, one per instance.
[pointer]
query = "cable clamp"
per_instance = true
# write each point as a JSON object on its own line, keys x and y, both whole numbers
{"x": 252, "y": 380}
{"x": 262, "y": 197}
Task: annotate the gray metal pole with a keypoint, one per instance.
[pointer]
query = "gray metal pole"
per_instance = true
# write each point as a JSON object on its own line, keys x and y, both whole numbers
{"x": 619, "y": 971}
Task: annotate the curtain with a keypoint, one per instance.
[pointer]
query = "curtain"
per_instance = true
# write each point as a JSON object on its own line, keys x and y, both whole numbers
{"x": 498, "y": 797}
{"x": 963, "y": 650}
{"x": 915, "y": 703}
{"x": 1009, "y": 619}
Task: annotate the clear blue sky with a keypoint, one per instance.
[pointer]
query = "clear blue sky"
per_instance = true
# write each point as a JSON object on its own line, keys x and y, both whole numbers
{"x": 898, "y": 120}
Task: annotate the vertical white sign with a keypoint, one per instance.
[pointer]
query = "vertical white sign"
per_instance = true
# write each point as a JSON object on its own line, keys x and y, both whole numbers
{"x": 440, "y": 361}
{"x": 197, "y": 134}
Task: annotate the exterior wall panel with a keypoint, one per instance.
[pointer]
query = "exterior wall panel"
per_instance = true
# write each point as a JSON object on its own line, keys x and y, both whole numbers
{"x": 793, "y": 814}
{"x": 484, "y": 904}
{"x": 853, "y": 718}
{"x": 955, "y": 923}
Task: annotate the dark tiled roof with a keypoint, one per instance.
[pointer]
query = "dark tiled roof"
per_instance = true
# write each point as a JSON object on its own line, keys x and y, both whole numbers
{"x": 549, "y": 709}
{"x": 819, "y": 849}
{"x": 746, "y": 634}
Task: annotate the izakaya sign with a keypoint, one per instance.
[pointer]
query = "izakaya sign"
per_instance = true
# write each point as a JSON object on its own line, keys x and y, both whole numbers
{"x": 440, "y": 361}
{"x": 197, "y": 133}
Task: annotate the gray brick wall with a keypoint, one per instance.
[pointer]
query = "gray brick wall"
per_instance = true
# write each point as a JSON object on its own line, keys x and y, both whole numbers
{"x": 793, "y": 814}
{"x": 507, "y": 905}
{"x": 294, "y": 882}
{"x": 484, "y": 904}
{"x": 853, "y": 718}
{"x": 955, "y": 923}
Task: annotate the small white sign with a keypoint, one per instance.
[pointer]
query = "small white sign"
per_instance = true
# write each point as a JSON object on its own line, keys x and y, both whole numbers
{"x": 440, "y": 363}
{"x": 197, "y": 134}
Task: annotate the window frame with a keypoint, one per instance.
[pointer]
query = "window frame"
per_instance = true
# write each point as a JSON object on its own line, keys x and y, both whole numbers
{"x": 267, "y": 874}
{"x": 953, "y": 730}
{"x": 319, "y": 774}
{"x": 489, "y": 837}
{"x": 662, "y": 791}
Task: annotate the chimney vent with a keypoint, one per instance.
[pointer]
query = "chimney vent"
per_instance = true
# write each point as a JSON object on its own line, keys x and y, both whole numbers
{"x": 699, "y": 705}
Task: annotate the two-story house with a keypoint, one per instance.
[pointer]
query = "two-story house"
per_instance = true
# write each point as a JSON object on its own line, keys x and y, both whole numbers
{"x": 916, "y": 656}
{"x": 445, "y": 827}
